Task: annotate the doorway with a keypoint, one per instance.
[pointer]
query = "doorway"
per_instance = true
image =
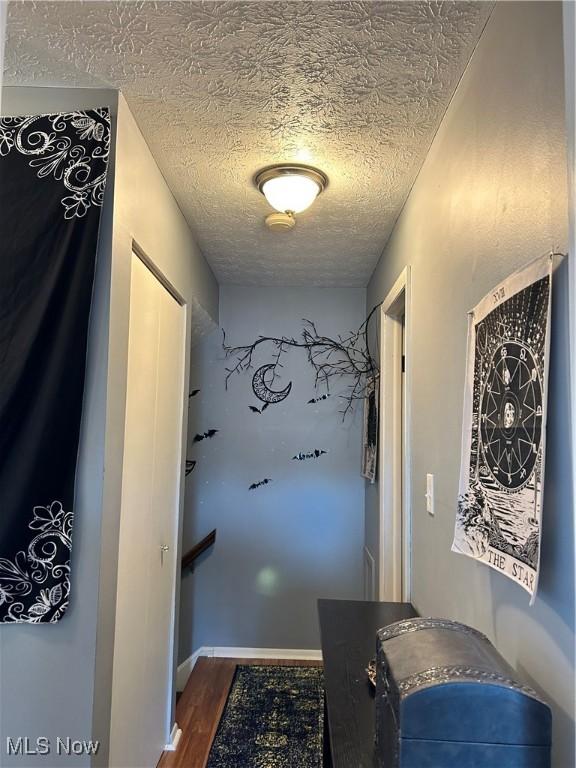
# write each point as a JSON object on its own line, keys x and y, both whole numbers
{"x": 151, "y": 480}
{"x": 394, "y": 439}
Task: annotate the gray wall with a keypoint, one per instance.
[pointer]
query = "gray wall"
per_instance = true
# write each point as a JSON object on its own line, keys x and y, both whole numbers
{"x": 56, "y": 680}
{"x": 47, "y": 672}
{"x": 3, "y": 12}
{"x": 282, "y": 546}
{"x": 569, "y": 21}
{"x": 490, "y": 196}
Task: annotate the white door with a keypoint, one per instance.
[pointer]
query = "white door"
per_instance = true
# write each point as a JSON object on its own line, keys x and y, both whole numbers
{"x": 143, "y": 646}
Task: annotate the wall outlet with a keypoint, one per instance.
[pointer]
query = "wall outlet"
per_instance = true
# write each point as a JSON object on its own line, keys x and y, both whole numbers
{"x": 429, "y": 494}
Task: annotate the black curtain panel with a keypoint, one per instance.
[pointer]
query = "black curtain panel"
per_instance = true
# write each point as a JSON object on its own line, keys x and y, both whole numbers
{"x": 52, "y": 179}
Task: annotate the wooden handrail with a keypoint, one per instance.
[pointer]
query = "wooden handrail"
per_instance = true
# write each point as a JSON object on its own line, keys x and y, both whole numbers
{"x": 189, "y": 558}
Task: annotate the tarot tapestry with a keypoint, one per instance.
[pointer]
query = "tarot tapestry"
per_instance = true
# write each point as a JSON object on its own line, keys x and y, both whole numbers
{"x": 52, "y": 179}
{"x": 499, "y": 516}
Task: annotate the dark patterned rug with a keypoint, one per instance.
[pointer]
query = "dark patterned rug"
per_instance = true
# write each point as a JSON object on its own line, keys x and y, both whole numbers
{"x": 273, "y": 719}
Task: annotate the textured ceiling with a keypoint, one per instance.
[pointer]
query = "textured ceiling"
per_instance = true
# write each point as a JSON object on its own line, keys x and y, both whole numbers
{"x": 221, "y": 89}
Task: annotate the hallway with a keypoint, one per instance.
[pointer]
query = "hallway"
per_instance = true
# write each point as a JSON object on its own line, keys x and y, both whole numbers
{"x": 297, "y": 277}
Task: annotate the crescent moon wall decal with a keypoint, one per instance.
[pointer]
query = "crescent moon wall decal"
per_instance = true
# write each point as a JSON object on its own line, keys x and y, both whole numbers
{"x": 263, "y": 391}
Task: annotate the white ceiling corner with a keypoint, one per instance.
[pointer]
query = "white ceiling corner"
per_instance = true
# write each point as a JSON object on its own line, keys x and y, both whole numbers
{"x": 221, "y": 89}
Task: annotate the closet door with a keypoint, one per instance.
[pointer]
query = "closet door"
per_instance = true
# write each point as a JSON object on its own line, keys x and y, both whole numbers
{"x": 147, "y": 568}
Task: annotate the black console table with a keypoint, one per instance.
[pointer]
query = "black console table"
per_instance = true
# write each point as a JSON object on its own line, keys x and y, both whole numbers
{"x": 348, "y": 633}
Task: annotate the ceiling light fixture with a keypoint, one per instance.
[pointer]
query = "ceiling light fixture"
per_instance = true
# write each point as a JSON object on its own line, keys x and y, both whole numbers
{"x": 290, "y": 189}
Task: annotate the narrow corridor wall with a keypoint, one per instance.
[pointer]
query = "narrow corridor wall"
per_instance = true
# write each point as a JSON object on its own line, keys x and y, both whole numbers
{"x": 47, "y": 673}
{"x": 491, "y": 195}
{"x": 55, "y": 681}
{"x": 3, "y": 11}
{"x": 286, "y": 543}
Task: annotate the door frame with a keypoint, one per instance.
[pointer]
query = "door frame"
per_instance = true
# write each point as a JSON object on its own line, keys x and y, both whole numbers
{"x": 172, "y": 730}
{"x": 394, "y": 455}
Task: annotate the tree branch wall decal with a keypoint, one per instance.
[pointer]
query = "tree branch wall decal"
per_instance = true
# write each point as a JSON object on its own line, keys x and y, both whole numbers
{"x": 347, "y": 356}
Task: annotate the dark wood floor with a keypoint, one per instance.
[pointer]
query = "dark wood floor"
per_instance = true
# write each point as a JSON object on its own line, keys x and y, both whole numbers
{"x": 201, "y": 705}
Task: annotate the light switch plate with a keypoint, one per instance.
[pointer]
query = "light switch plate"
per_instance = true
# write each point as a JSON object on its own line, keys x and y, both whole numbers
{"x": 430, "y": 494}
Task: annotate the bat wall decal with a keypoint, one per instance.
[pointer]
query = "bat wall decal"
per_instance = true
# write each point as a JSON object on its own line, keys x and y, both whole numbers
{"x": 193, "y": 393}
{"x": 258, "y": 410}
{"x": 312, "y": 455}
{"x": 260, "y": 483}
{"x": 189, "y": 466}
{"x": 205, "y": 435}
{"x": 319, "y": 398}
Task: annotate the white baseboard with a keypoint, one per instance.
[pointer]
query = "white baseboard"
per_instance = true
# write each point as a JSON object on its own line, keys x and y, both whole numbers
{"x": 175, "y": 737}
{"x": 230, "y": 652}
{"x": 297, "y": 654}
{"x": 185, "y": 669}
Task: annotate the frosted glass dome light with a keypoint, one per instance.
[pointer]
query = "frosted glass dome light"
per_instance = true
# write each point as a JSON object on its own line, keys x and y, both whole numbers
{"x": 290, "y": 188}
{"x": 290, "y": 193}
